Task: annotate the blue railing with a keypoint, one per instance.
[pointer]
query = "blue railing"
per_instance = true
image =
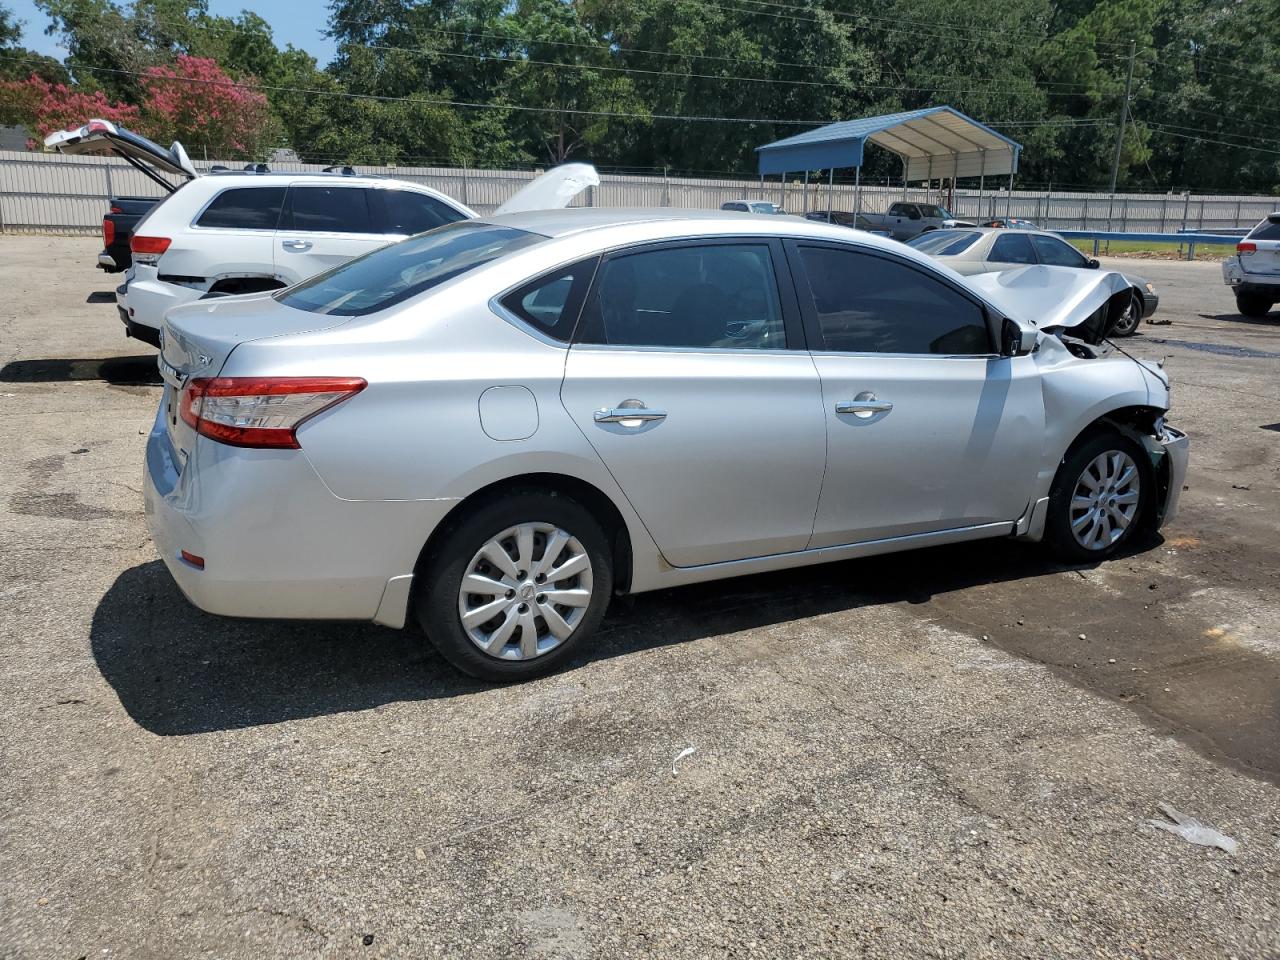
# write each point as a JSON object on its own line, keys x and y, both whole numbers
{"x": 1189, "y": 238}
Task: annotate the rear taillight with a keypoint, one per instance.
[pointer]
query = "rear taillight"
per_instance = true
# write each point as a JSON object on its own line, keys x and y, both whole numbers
{"x": 260, "y": 411}
{"x": 147, "y": 250}
{"x": 108, "y": 232}
{"x": 1246, "y": 246}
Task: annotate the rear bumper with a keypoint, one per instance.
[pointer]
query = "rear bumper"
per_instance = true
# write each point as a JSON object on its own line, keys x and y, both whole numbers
{"x": 276, "y": 543}
{"x": 147, "y": 300}
{"x": 1242, "y": 281}
{"x": 107, "y": 262}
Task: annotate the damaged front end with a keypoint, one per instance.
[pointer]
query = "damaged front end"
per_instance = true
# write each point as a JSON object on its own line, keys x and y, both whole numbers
{"x": 1086, "y": 380}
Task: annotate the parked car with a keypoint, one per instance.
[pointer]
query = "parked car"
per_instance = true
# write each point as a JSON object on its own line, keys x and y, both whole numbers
{"x": 752, "y": 206}
{"x": 1011, "y": 223}
{"x": 233, "y": 232}
{"x": 123, "y": 214}
{"x": 906, "y": 220}
{"x": 987, "y": 249}
{"x": 1254, "y": 272}
{"x": 479, "y": 427}
{"x": 845, "y": 218}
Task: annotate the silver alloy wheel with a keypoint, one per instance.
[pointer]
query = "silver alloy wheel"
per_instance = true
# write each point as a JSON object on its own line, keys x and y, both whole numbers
{"x": 1105, "y": 500}
{"x": 525, "y": 591}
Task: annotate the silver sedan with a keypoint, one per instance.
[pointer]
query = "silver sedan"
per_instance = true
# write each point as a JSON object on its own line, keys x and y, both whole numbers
{"x": 494, "y": 427}
{"x": 986, "y": 250}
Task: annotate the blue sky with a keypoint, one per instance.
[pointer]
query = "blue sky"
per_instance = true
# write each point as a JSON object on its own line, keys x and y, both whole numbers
{"x": 298, "y": 23}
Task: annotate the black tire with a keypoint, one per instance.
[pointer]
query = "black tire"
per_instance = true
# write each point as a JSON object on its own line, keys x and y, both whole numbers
{"x": 438, "y": 598}
{"x": 1130, "y": 318}
{"x": 1253, "y": 305}
{"x": 1058, "y": 534}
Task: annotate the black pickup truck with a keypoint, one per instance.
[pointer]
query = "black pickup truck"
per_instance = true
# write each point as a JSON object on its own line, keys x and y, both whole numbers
{"x": 117, "y": 230}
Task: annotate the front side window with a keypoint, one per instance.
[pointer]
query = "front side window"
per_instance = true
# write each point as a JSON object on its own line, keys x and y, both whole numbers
{"x": 872, "y": 304}
{"x": 393, "y": 273}
{"x": 1012, "y": 248}
{"x": 722, "y": 295}
{"x": 323, "y": 209}
{"x": 1055, "y": 253}
{"x": 410, "y": 212}
{"x": 244, "y": 208}
{"x": 936, "y": 213}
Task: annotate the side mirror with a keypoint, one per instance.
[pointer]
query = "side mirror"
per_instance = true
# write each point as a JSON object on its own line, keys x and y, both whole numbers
{"x": 1015, "y": 339}
{"x": 1093, "y": 264}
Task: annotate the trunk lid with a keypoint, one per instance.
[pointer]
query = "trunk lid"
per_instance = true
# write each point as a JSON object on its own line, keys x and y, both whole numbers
{"x": 198, "y": 338}
{"x": 554, "y": 190}
{"x": 1265, "y": 257}
{"x": 102, "y": 137}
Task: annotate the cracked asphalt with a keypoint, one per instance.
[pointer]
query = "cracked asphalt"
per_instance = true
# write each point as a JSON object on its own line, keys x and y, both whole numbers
{"x": 870, "y": 776}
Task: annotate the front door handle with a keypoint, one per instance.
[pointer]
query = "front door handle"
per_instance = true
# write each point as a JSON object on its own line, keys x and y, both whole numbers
{"x": 864, "y": 405}
{"x": 296, "y": 246}
{"x": 629, "y": 413}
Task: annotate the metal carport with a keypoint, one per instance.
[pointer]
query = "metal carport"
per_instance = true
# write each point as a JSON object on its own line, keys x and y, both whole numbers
{"x": 935, "y": 142}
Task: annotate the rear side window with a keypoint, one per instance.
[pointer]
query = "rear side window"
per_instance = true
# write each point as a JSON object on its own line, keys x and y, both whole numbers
{"x": 406, "y": 211}
{"x": 551, "y": 304}
{"x": 715, "y": 295}
{"x": 1267, "y": 230}
{"x": 1012, "y": 248}
{"x": 244, "y": 208}
{"x": 393, "y": 273}
{"x": 944, "y": 243}
{"x": 871, "y": 304}
{"x": 323, "y": 209}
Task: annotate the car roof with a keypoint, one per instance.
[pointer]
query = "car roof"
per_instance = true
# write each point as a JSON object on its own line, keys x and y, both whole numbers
{"x": 683, "y": 223}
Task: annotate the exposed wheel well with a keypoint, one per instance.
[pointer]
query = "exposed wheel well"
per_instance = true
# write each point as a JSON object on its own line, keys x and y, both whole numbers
{"x": 553, "y": 483}
{"x": 234, "y": 285}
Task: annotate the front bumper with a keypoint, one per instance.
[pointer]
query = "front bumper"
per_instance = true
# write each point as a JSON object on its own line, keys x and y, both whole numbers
{"x": 1176, "y": 447}
{"x": 1150, "y": 303}
{"x": 276, "y": 543}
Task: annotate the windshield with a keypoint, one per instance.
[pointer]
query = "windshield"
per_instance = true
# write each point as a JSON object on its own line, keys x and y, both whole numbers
{"x": 944, "y": 243}
{"x": 401, "y": 270}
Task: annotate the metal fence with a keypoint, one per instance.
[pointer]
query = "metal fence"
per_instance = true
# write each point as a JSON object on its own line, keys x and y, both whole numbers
{"x": 44, "y": 193}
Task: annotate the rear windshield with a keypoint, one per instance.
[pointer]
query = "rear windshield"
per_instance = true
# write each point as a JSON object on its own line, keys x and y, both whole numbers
{"x": 944, "y": 243}
{"x": 1268, "y": 229}
{"x": 401, "y": 270}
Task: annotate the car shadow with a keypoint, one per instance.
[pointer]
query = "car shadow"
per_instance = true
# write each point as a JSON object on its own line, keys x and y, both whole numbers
{"x": 101, "y": 296}
{"x": 136, "y": 371}
{"x": 1270, "y": 320}
{"x": 180, "y": 671}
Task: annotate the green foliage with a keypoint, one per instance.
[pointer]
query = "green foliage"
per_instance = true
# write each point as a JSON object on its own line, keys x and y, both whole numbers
{"x": 498, "y": 82}
{"x": 19, "y": 63}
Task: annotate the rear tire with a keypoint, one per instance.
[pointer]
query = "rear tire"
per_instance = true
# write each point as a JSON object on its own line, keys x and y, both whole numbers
{"x": 1100, "y": 498}
{"x": 1253, "y": 305}
{"x": 542, "y": 607}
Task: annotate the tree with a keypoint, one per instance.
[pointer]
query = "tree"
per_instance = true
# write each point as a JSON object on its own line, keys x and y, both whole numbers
{"x": 43, "y": 107}
{"x": 16, "y": 61}
{"x": 196, "y": 102}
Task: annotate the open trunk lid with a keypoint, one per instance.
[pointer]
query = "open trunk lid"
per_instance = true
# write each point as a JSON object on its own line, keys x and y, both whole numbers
{"x": 102, "y": 137}
{"x": 554, "y": 190}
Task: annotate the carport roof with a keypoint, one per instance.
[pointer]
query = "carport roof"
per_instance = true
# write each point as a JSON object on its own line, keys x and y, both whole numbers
{"x": 934, "y": 142}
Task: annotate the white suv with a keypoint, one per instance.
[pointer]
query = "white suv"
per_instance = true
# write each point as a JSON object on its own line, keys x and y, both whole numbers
{"x": 232, "y": 232}
{"x": 1254, "y": 272}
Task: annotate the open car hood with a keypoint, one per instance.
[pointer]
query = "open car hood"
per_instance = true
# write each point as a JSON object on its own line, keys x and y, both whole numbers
{"x": 1060, "y": 297}
{"x": 104, "y": 137}
{"x": 554, "y": 190}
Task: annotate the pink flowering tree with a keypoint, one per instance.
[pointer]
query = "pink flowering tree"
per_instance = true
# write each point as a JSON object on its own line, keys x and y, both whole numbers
{"x": 195, "y": 102}
{"x": 43, "y": 107}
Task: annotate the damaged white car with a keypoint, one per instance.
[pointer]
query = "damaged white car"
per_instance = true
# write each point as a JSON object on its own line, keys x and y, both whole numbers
{"x": 232, "y": 232}
{"x": 494, "y": 427}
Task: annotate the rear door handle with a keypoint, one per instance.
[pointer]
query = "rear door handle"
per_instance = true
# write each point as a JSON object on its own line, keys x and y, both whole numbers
{"x": 296, "y": 246}
{"x": 629, "y": 413}
{"x": 864, "y": 405}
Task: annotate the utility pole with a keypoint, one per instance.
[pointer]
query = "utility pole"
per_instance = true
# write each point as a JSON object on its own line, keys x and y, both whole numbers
{"x": 1124, "y": 113}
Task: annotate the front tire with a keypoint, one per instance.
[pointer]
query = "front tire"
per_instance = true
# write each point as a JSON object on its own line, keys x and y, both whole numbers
{"x": 1099, "y": 499}
{"x": 1252, "y": 305}
{"x": 1126, "y": 324}
{"x": 517, "y": 586}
